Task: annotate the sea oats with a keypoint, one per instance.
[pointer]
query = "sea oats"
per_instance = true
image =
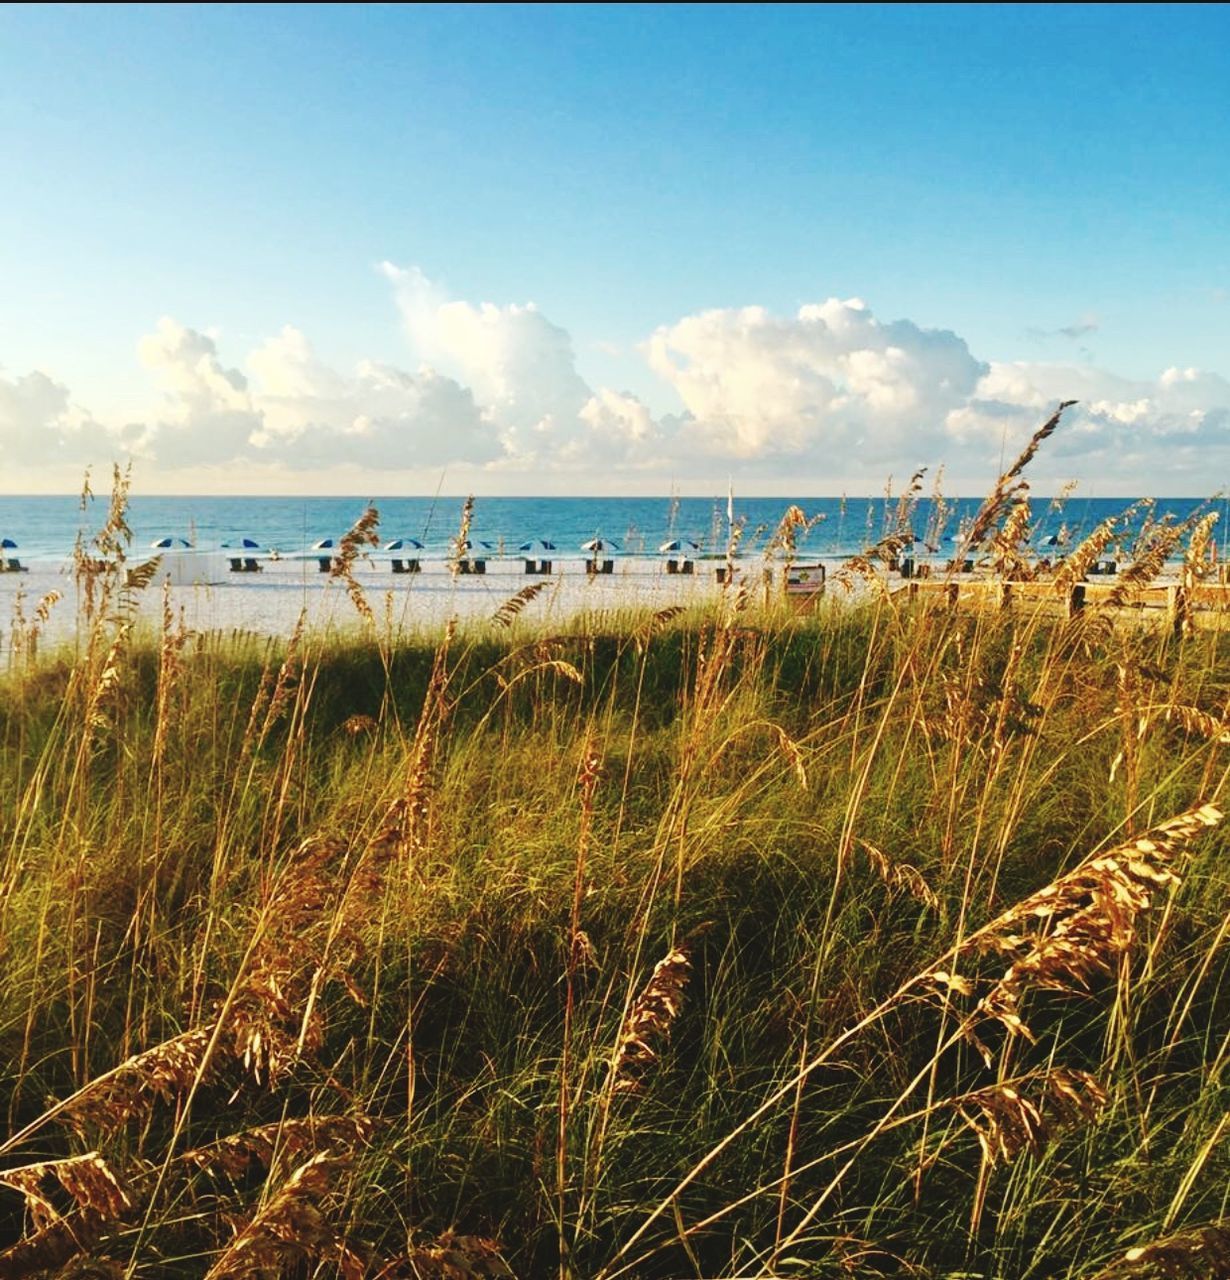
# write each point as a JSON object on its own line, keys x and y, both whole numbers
{"x": 650, "y": 1019}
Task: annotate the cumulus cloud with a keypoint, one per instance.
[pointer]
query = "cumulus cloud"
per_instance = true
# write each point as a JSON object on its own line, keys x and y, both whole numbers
{"x": 522, "y": 370}
{"x": 41, "y": 427}
{"x": 829, "y": 395}
{"x": 296, "y": 412}
{"x": 519, "y": 365}
{"x": 32, "y": 410}
{"x": 1176, "y": 426}
{"x": 208, "y": 416}
{"x": 832, "y": 377}
{"x": 380, "y": 416}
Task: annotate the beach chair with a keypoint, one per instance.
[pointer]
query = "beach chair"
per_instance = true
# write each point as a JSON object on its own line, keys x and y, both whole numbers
{"x": 597, "y": 549}
{"x": 9, "y": 561}
{"x": 537, "y": 554}
{"x": 322, "y": 551}
{"x": 403, "y": 557}
{"x": 242, "y": 555}
{"x": 472, "y": 555}
{"x": 679, "y": 553}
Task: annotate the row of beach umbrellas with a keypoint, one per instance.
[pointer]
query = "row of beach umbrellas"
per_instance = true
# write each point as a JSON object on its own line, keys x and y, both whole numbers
{"x": 595, "y": 546}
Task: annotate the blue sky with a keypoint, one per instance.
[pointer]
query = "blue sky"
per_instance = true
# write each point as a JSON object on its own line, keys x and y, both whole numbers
{"x": 1046, "y": 184}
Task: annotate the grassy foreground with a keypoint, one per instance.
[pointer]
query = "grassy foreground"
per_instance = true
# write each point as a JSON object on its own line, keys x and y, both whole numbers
{"x": 757, "y": 944}
{"x": 876, "y": 940}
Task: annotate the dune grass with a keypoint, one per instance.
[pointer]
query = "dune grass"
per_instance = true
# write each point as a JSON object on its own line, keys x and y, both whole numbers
{"x": 875, "y": 939}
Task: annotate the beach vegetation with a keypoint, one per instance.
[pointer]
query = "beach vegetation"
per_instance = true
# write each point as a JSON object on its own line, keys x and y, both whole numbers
{"x": 876, "y": 937}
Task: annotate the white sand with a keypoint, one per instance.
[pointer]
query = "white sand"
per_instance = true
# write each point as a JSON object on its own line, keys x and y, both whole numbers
{"x": 270, "y": 602}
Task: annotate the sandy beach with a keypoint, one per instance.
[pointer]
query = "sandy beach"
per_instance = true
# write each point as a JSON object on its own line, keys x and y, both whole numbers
{"x": 271, "y": 601}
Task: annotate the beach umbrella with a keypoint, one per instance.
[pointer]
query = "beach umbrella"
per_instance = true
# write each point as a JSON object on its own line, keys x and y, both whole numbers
{"x": 324, "y": 544}
{"x": 242, "y": 544}
{"x": 8, "y": 544}
{"x": 404, "y": 544}
{"x": 536, "y": 545}
{"x": 597, "y": 545}
{"x": 679, "y": 546}
{"x": 471, "y": 544}
{"x": 169, "y": 544}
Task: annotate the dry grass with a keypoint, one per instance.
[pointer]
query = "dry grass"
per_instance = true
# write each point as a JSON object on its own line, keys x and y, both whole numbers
{"x": 739, "y": 943}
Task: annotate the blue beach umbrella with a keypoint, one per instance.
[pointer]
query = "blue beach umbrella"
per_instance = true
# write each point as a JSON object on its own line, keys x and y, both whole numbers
{"x": 597, "y": 545}
{"x": 404, "y": 544}
{"x": 536, "y": 545}
{"x": 169, "y": 544}
{"x": 324, "y": 544}
{"x": 679, "y": 546}
{"x": 242, "y": 544}
{"x": 8, "y": 544}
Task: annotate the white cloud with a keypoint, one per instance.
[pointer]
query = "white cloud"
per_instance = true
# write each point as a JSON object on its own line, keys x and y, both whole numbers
{"x": 830, "y": 378}
{"x": 380, "y": 417}
{"x": 828, "y": 397}
{"x": 1172, "y": 433}
{"x": 208, "y": 416}
{"x": 522, "y": 370}
{"x": 620, "y": 430}
{"x": 41, "y": 428}
{"x": 297, "y": 413}
{"x": 32, "y": 410}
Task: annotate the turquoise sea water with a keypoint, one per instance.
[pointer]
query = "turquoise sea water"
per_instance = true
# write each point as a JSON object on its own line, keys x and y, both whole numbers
{"x": 45, "y": 527}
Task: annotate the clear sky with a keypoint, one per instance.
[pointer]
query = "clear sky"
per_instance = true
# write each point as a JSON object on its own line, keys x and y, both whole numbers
{"x": 580, "y": 249}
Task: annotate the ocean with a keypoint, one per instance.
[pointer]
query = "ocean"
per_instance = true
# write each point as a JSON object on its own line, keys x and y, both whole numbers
{"x": 46, "y": 527}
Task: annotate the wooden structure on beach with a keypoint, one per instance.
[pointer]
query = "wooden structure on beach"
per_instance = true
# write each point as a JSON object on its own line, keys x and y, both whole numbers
{"x": 1170, "y": 602}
